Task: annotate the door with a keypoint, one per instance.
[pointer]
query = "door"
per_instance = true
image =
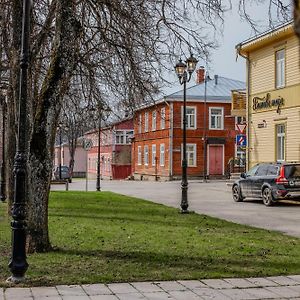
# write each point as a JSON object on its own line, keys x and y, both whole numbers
{"x": 215, "y": 160}
{"x": 258, "y": 180}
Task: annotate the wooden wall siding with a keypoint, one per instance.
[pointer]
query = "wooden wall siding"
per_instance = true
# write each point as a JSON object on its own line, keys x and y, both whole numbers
{"x": 152, "y": 170}
{"x": 292, "y": 62}
{"x": 157, "y": 108}
{"x": 262, "y": 65}
{"x": 193, "y": 137}
{"x": 262, "y": 140}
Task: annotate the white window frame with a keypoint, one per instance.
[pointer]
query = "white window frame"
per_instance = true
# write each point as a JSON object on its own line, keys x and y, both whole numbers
{"x": 122, "y": 137}
{"x": 162, "y": 155}
{"x": 280, "y": 142}
{"x": 153, "y": 155}
{"x": 154, "y": 120}
{"x": 280, "y": 69}
{"x": 140, "y": 124}
{"x": 187, "y": 154}
{"x": 188, "y": 118}
{"x": 163, "y": 118}
{"x": 146, "y": 155}
{"x": 139, "y": 162}
{"x": 210, "y": 118}
{"x": 146, "y": 127}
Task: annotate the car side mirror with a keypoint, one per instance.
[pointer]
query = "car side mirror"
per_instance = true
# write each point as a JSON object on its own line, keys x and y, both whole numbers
{"x": 243, "y": 175}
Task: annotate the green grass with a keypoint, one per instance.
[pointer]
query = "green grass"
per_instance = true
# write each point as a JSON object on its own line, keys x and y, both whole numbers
{"x": 106, "y": 237}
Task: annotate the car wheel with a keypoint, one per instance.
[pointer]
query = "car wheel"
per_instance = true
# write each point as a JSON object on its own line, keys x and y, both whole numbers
{"x": 236, "y": 194}
{"x": 267, "y": 197}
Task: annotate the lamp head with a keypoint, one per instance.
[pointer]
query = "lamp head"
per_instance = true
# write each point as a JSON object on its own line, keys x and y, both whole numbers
{"x": 180, "y": 68}
{"x": 191, "y": 64}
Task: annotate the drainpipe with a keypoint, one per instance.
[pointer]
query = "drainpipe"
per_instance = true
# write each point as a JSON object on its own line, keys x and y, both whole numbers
{"x": 170, "y": 138}
{"x": 247, "y": 104}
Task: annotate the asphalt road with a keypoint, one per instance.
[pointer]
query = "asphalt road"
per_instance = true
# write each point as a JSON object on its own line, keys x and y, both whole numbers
{"x": 212, "y": 198}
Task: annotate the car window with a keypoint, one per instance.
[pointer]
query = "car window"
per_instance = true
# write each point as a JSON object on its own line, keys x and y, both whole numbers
{"x": 291, "y": 171}
{"x": 262, "y": 170}
{"x": 252, "y": 171}
{"x": 272, "y": 170}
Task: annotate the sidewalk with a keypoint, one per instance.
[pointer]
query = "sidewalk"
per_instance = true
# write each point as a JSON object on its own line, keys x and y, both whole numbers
{"x": 279, "y": 287}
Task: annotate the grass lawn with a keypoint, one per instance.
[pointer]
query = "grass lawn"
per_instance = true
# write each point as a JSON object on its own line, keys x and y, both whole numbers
{"x": 106, "y": 237}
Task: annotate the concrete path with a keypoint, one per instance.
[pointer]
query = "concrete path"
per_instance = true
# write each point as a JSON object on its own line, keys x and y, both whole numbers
{"x": 280, "y": 287}
{"x": 212, "y": 198}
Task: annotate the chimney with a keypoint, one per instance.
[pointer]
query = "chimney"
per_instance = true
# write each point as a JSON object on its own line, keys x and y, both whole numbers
{"x": 200, "y": 75}
{"x": 216, "y": 79}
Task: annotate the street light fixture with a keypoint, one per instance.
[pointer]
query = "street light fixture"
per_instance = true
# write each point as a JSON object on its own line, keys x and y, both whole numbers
{"x": 18, "y": 264}
{"x": 98, "y": 187}
{"x": 184, "y": 72}
{"x": 3, "y": 165}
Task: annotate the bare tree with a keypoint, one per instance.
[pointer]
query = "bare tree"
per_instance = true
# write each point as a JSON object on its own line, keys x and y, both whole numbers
{"x": 117, "y": 50}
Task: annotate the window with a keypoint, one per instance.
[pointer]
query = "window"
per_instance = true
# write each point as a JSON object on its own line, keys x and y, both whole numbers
{"x": 162, "y": 155}
{"x": 240, "y": 156}
{"x": 216, "y": 118}
{"x": 280, "y": 142}
{"x": 280, "y": 68}
{"x": 190, "y": 117}
{"x": 153, "y": 155}
{"x": 191, "y": 155}
{"x": 123, "y": 137}
{"x": 154, "y": 120}
{"x": 262, "y": 170}
{"x": 140, "y": 123}
{"x": 120, "y": 137}
{"x": 163, "y": 118}
{"x": 146, "y": 121}
{"x": 129, "y": 136}
{"x": 252, "y": 171}
{"x": 139, "y": 155}
{"x": 273, "y": 171}
{"x": 146, "y": 155}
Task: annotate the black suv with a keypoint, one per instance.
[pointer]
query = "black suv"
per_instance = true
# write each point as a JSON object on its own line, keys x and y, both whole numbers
{"x": 269, "y": 181}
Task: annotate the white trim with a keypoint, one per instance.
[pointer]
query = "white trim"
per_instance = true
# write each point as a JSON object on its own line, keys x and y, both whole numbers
{"x": 195, "y": 154}
{"x": 195, "y": 118}
{"x": 146, "y": 124}
{"x": 223, "y": 158}
{"x": 153, "y": 124}
{"x": 146, "y": 156}
{"x": 153, "y": 162}
{"x": 222, "y": 117}
{"x": 139, "y": 152}
{"x": 163, "y": 118}
{"x": 162, "y": 156}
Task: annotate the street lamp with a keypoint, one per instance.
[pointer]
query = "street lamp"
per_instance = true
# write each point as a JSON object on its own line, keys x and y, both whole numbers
{"x": 18, "y": 264}
{"x": 184, "y": 72}
{"x": 98, "y": 188}
{"x": 3, "y": 165}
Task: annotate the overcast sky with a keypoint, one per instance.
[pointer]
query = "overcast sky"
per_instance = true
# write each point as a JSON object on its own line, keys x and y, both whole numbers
{"x": 223, "y": 59}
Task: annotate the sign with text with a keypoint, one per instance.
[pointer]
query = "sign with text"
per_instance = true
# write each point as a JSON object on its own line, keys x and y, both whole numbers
{"x": 266, "y": 102}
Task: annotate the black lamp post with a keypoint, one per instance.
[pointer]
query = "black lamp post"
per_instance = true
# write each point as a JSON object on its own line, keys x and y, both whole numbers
{"x": 18, "y": 264}
{"x": 60, "y": 142}
{"x": 184, "y": 72}
{"x": 3, "y": 165}
{"x": 98, "y": 188}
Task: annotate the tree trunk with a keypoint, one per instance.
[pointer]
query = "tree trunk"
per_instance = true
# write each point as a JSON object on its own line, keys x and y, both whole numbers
{"x": 48, "y": 107}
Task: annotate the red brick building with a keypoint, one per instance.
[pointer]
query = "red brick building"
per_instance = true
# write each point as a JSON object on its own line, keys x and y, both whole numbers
{"x": 115, "y": 150}
{"x": 157, "y": 147}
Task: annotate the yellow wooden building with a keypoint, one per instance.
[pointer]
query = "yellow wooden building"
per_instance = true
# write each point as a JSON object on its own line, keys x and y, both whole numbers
{"x": 273, "y": 95}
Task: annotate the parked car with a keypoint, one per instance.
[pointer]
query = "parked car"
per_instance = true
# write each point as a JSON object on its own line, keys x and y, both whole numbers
{"x": 269, "y": 181}
{"x": 65, "y": 173}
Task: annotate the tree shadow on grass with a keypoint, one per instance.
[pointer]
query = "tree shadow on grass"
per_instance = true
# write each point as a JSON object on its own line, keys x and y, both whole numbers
{"x": 209, "y": 264}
